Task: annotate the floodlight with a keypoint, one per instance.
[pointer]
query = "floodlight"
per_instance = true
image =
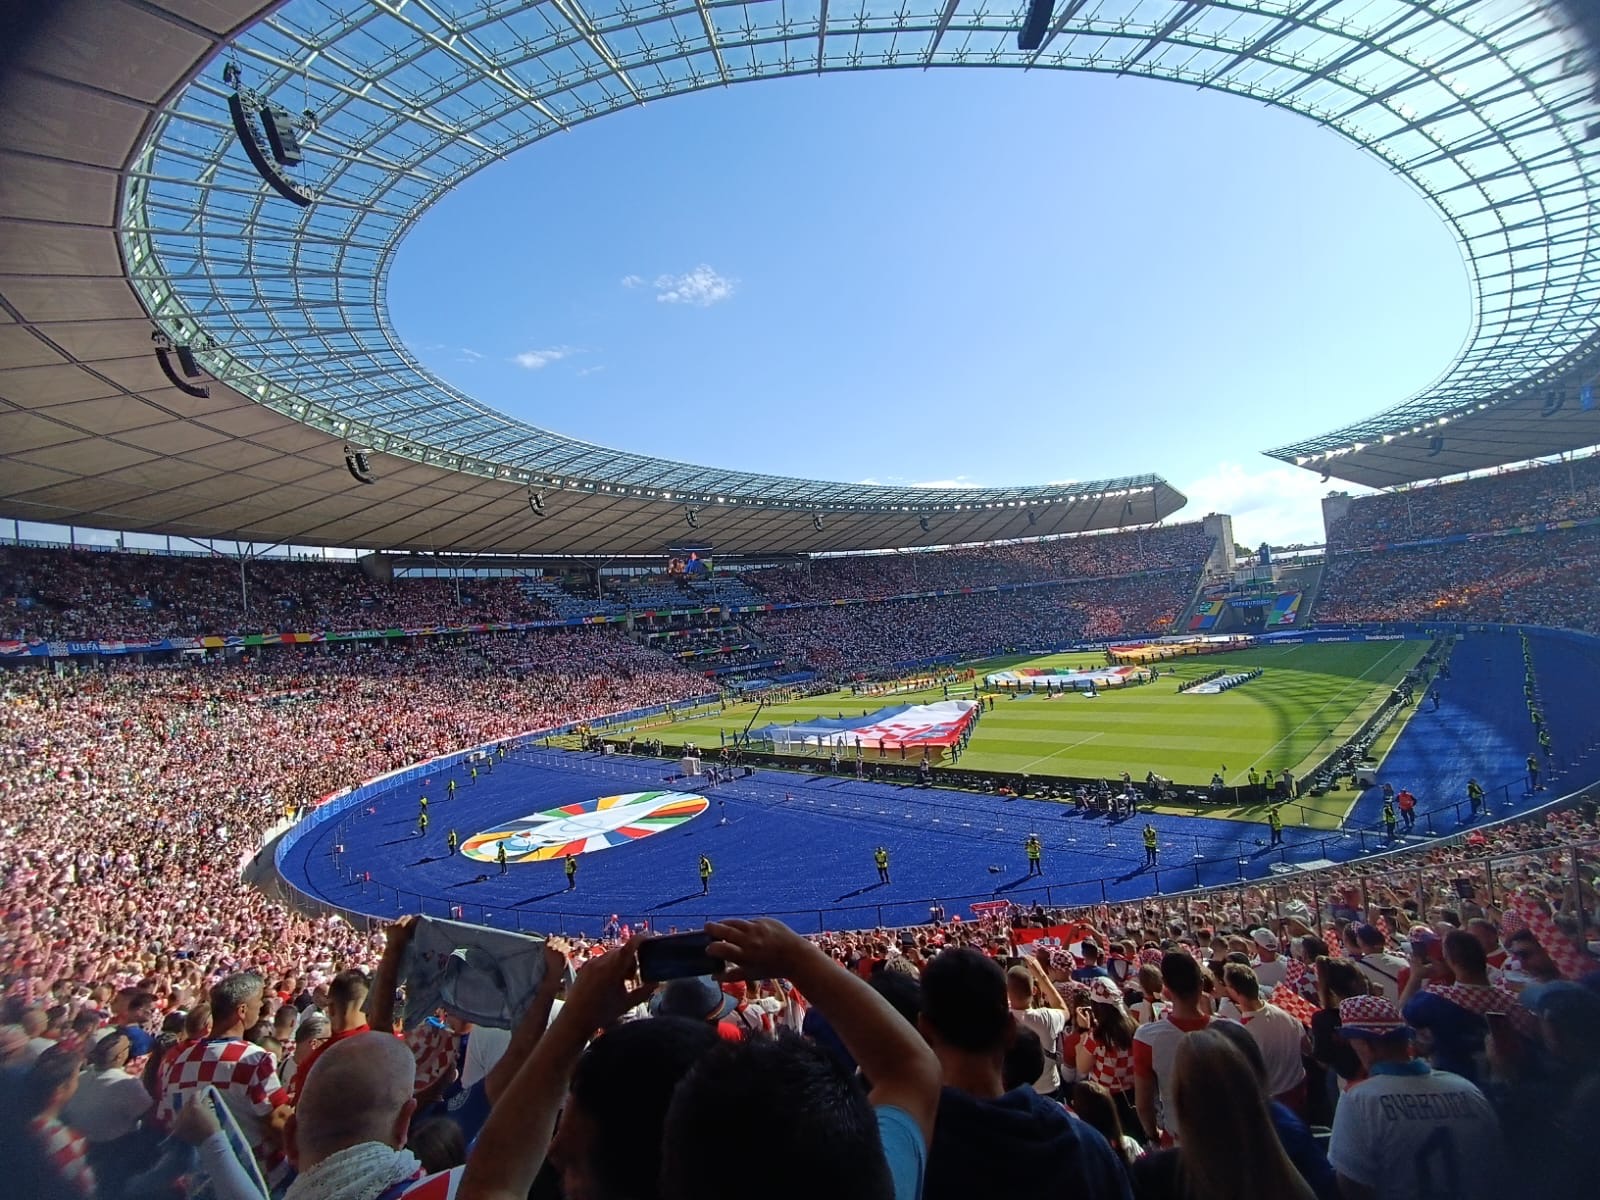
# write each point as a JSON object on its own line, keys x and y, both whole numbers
{"x": 355, "y": 461}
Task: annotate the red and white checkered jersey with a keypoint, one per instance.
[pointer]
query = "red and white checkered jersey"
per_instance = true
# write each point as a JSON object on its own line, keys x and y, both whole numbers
{"x": 1111, "y": 1067}
{"x": 67, "y": 1150}
{"x": 245, "y": 1076}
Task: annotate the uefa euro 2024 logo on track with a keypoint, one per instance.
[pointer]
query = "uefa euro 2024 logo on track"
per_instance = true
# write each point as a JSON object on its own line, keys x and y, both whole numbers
{"x": 585, "y": 827}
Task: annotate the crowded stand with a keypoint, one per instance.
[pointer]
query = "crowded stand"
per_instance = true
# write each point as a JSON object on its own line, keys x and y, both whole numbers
{"x": 844, "y": 639}
{"x": 1133, "y": 1049}
{"x": 53, "y": 595}
{"x": 1546, "y": 578}
{"x": 1090, "y": 556}
{"x": 1300, "y": 1037}
{"x": 1560, "y": 491}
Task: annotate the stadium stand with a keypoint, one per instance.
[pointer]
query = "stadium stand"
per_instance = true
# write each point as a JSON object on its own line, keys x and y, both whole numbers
{"x": 81, "y": 594}
{"x": 1529, "y": 495}
{"x": 871, "y": 576}
{"x": 838, "y": 640}
{"x": 1545, "y": 577}
{"x": 130, "y": 792}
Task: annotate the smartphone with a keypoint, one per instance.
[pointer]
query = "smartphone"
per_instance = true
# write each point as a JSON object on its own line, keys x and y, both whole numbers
{"x": 1465, "y": 890}
{"x": 680, "y": 956}
{"x": 1506, "y": 1041}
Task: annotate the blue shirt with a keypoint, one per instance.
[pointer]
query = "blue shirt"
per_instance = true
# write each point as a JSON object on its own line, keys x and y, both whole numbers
{"x": 903, "y": 1149}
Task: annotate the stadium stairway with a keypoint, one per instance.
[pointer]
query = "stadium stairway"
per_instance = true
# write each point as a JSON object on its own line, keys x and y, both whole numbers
{"x": 1566, "y": 668}
{"x": 1481, "y": 730}
{"x": 1309, "y": 579}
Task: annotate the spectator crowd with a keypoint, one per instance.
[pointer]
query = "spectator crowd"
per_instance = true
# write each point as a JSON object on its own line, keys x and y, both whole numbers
{"x": 1382, "y": 1033}
{"x": 1527, "y": 496}
{"x": 54, "y": 595}
{"x": 1085, "y": 556}
{"x": 1426, "y": 1025}
{"x": 862, "y": 638}
{"x": 1543, "y": 578}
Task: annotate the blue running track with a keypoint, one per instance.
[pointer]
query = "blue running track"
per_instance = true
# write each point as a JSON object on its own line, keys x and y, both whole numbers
{"x": 801, "y": 846}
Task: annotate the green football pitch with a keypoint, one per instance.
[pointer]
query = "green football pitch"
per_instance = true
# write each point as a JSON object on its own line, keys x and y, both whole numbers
{"x": 1309, "y": 699}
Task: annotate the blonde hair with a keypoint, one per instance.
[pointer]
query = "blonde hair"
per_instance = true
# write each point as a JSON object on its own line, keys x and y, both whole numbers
{"x": 1227, "y": 1146}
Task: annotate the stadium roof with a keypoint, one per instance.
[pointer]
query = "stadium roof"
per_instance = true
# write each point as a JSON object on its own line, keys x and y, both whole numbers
{"x": 128, "y": 204}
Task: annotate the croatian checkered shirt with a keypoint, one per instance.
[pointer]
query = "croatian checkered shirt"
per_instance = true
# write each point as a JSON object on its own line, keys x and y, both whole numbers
{"x": 245, "y": 1076}
{"x": 1111, "y": 1067}
{"x": 67, "y": 1151}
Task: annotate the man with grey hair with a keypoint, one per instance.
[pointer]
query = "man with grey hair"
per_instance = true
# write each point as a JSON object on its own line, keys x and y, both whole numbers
{"x": 245, "y": 1075}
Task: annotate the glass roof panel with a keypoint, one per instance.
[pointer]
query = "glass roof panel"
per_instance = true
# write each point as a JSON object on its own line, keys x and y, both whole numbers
{"x": 1478, "y": 104}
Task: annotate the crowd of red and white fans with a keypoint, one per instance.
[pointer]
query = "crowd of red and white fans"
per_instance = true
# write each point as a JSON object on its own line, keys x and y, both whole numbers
{"x": 54, "y": 595}
{"x": 1442, "y": 1001}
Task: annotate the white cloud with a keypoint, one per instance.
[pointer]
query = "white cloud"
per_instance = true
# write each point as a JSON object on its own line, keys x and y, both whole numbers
{"x": 590, "y": 371}
{"x": 699, "y": 288}
{"x": 534, "y": 360}
{"x": 1270, "y": 502}
{"x": 467, "y": 355}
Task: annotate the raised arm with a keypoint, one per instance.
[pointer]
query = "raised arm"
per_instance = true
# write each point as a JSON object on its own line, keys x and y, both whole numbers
{"x": 386, "y": 979}
{"x": 516, "y": 1137}
{"x": 892, "y": 1054}
{"x": 534, "y": 1022}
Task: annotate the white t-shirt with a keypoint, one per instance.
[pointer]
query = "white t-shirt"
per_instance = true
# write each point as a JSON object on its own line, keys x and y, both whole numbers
{"x": 1049, "y": 1024}
{"x": 1155, "y": 1049}
{"x": 1383, "y": 972}
{"x": 1280, "y": 1037}
{"x": 485, "y": 1048}
{"x": 1419, "y": 1135}
{"x": 107, "y": 1104}
{"x": 1271, "y": 974}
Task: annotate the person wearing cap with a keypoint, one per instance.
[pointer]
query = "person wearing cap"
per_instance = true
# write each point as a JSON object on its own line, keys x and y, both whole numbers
{"x": 1270, "y": 968}
{"x": 699, "y": 998}
{"x": 1408, "y": 1132}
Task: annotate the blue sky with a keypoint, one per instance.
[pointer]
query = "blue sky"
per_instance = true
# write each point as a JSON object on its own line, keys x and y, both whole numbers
{"x": 978, "y": 276}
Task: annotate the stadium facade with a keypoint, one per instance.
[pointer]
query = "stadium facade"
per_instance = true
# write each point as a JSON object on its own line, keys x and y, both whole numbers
{"x": 150, "y": 194}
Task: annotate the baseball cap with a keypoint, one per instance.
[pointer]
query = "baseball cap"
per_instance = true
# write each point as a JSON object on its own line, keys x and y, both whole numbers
{"x": 700, "y": 998}
{"x": 1265, "y": 938}
{"x": 1371, "y": 1017}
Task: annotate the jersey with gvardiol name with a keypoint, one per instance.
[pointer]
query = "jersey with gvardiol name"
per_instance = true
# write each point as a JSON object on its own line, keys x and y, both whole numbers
{"x": 1428, "y": 1136}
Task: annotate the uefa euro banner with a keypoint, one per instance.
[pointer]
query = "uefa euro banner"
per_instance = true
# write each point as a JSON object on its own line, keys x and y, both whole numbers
{"x": 1063, "y": 679}
{"x": 899, "y": 727}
